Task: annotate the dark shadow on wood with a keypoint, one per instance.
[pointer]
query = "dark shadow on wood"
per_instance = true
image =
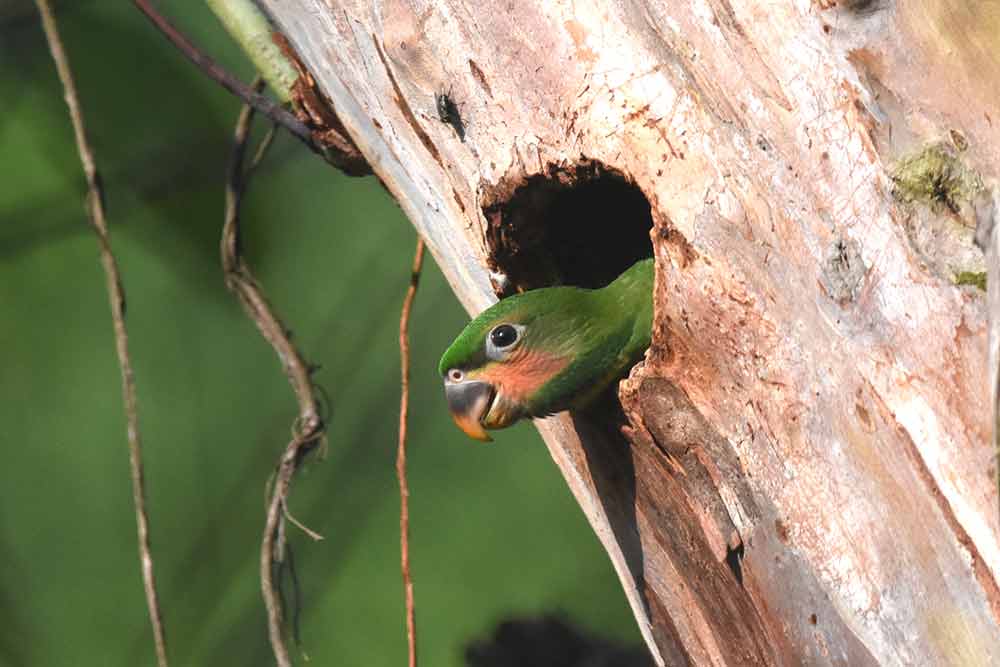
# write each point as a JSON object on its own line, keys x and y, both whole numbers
{"x": 609, "y": 460}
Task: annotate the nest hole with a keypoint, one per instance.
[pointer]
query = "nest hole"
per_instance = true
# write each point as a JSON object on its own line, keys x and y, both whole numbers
{"x": 580, "y": 226}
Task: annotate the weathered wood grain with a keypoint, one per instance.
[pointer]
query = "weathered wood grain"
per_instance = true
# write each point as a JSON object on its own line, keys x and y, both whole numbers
{"x": 807, "y": 477}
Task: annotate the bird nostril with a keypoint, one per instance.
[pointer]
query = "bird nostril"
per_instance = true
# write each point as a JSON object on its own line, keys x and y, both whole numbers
{"x": 455, "y": 374}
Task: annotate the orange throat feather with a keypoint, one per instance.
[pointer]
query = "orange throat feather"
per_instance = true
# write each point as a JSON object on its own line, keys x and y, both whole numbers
{"x": 519, "y": 377}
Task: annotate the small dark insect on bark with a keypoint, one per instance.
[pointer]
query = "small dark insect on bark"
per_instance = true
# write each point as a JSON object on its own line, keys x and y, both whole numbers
{"x": 448, "y": 114}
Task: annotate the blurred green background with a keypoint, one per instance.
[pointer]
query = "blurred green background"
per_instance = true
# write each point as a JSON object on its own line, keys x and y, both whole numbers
{"x": 495, "y": 532}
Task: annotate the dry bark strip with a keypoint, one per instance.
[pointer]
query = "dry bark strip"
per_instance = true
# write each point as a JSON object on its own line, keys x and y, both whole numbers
{"x": 808, "y": 473}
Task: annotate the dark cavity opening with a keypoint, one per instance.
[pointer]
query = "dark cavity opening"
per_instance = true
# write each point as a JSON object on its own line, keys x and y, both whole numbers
{"x": 734, "y": 559}
{"x": 581, "y": 225}
{"x": 863, "y": 7}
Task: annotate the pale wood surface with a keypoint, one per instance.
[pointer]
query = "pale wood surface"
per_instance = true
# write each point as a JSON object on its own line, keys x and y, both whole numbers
{"x": 815, "y": 405}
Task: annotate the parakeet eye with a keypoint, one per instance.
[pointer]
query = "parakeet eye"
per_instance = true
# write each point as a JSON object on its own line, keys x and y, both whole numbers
{"x": 502, "y": 339}
{"x": 455, "y": 375}
{"x": 503, "y": 336}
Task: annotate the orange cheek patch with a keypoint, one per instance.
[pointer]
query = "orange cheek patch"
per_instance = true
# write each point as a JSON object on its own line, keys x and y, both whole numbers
{"x": 523, "y": 374}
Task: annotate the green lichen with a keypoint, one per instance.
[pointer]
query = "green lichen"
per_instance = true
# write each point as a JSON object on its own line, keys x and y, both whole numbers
{"x": 971, "y": 278}
{"x": 937, "y": 178}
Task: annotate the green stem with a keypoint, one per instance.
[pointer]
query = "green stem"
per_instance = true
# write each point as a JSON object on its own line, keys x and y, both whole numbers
{"x": 250, "y": 28}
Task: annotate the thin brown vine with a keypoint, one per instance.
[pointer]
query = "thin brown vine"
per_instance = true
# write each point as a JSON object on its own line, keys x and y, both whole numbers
{"x": 308, "y": 428}
{"x": 217, "y": 73}
{"x": 116, "y": 296}
{"x": 404, "y": 489}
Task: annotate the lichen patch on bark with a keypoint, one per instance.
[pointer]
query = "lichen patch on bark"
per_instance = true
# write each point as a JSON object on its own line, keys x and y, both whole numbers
{"x": 937, "y": 190}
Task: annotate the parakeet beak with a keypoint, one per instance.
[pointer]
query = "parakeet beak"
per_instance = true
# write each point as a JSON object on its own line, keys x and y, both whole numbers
{"x": 469, "y": 401}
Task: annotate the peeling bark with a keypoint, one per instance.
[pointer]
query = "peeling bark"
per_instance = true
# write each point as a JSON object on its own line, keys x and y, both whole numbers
{"x": 807, "y": 471}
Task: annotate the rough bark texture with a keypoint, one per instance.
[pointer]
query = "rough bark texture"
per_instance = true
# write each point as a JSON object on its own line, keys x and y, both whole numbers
{"x": 807, "y": 473}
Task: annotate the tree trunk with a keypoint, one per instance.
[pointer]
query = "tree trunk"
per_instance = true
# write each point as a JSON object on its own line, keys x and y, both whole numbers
{"x": 806, "y": 473}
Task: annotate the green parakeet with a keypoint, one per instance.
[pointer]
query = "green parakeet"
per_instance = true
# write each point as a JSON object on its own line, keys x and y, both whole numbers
{"x": 547, "y": 350}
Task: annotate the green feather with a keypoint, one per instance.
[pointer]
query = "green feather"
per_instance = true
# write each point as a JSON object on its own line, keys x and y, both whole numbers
{"x": 604, "y": 332}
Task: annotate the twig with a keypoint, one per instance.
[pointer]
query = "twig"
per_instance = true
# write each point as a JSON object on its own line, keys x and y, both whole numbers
{"x": 308, "y": 429}
{"x": 216, "y": 72}
{"x": 404, "y": 489}
{"x": 116, "y": 296}
{"x": 301, "y": 526}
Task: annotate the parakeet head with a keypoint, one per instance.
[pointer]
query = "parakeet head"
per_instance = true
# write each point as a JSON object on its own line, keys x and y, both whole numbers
{"x": 497, "y": 370}
{"x": 548, "y": 350}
